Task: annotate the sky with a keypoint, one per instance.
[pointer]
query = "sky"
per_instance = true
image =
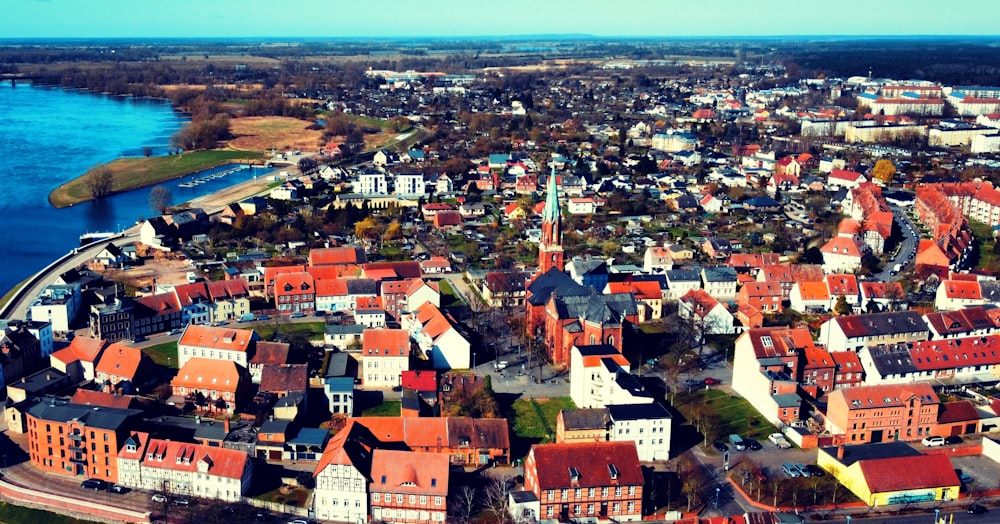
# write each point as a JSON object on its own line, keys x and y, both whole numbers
{"x": 471, "y": 18}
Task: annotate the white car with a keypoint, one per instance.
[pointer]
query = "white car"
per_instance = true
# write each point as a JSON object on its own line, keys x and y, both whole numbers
{"x": 159, "y": 498}
{"x": 932, "y": 442}
{"x": 779, "y": 440}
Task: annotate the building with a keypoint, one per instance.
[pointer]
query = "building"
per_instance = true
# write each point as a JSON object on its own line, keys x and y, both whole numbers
{"x": 884, "y": 413}
{"x": 77, "y": 439}
{"x": 599, "y": 376}
{"x": 343, "y": 475}
{"x": 215, "y": 385}
{"x": 873, "y": 473}
{"x": 437, "y": 336}
{"x": 409, "y": 486}
{"x": 853, "y": 332}
{"x": 295, "y": 293}
{"x": 217, "y": 343}
{"x": 586, "y": 480}
{"x": 385, "y": 354}
{"x": 181, "y": 468}
{"x": 647, "y": 425}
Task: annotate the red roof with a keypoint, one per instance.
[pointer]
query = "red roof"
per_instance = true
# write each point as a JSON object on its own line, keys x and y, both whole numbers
{"x": 592, "y": 460}
{"x": 922, "y": 472}
{"x": 120, "y": 361}
{"x": 419, "y": 380}
{"x": 181, "y": 456}
{"x": 932, "y": 355}
{"x": 410, "y": 472}
{"x": 385, "y": 342}
{"x": 336, "y": 255}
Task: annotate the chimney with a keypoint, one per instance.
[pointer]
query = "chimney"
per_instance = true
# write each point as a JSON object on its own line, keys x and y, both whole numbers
{"x": 840, "y": 452}
{"x": 225, "y": 424}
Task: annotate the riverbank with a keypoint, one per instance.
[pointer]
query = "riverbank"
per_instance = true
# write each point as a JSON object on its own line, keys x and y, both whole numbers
{"x": 135, "y": 173}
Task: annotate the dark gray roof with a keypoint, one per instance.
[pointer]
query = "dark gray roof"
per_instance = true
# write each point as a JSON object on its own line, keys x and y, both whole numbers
{"x": 682, "y": 275}
{"x": 600, "y": 309}
{"x": 310, "y": 437}
{"x": 523, "y": 497}
{"x": 787, "y": 400}
{"x": 719, "y": 274}
{"x": 275, "y": 426}
{"x": 630, "y": 383}
{"x": 990, "y": 290}
{"x": 343, "y": 329}
{"x": 91, "y": 416}
{"x": 884, "y": 450}
{"x": 597, "y": 350}
{"x": 590, "y": 266}
{"x": 577, "y": 419}
{"x": 892, "y": 360}
{"x": 362, "y": 286}
{"x": 554, "y": 281}
{"x": 336, "y": 364}
{"x": 186, "y": 429}
{"x": 637, "y": 411}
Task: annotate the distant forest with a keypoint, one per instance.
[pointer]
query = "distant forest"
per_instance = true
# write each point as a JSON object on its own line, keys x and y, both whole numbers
{"x": 948, "y": 60}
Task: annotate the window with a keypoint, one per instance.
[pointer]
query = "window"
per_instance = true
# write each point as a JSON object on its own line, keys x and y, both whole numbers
{"x": 631, "y": 489}
{"x": 437, "y": 501}
{"x": 576, "y": 509}
{"x": 590, "y": 492}
{"x": 604, "y": 492}
{"x": 590, "y": 509}
{"x": 413, "y": 499}
{"x": 423, "y": 500}
{"x": 375, "y": 497}
{"x": 618, "y": 491}
{"x": 399, "y": 498}
{"x": 617, "y": 508}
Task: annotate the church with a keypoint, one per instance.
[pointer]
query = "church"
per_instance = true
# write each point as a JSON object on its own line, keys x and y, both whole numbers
{"x": 560, "y": 310}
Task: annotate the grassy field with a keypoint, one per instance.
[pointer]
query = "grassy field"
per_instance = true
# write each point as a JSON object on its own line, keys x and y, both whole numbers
{"x": 164, "y": 354}
{"x": 297, "y": 496}
{"x": 536, "y": 418}
{"x": 736, "y": 415}
{"x": 983, "y": 234}
{"x": 388, "y": 408}
{"x": 133, "y": 173}
{"x": 11, "y": 514}
{"x": 449, "y": 297}
{"x": 313, "y": 329}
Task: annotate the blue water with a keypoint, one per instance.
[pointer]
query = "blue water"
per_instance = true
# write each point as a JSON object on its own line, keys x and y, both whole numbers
{"x": 49, "y": 136}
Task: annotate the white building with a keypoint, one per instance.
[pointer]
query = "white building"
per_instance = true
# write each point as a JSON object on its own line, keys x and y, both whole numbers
{"x": 711, "y": 317}
{"x": 57, "y": 304}
{"x": 410, "y": 184}
{"x": 371, "y": 183}
{"x": 437, "y": 338}
{"x": 216, "y": 343}
{"x": 657, "y": 260}
{"x": 648, "y": 425}
{"x": 599, "y": 376}
{"x": 181, "y": 468}
{"x": 341, "y": 492}
{"x": 385, "y": 354}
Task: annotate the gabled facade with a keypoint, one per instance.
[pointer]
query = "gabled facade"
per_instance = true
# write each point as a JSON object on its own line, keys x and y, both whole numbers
{"x": 409, "y": 486}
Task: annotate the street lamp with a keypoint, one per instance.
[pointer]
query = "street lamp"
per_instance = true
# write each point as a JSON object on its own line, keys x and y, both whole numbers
{"x": 937, "y": 512}
{"x": 717, "y": 489}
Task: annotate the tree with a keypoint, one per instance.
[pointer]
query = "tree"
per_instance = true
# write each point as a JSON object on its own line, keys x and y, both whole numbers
{"x": 307, "y": 164}
{"x": 147, "y": 151}
{"x": 884, "y": 171}
{"x": 842, "y": 307}
{"x": 366, "y": 228}
{"x": 394, "y": 231}
{"x": 99, "y": 181}
{"x": 777, "y": 483}
{"x": 160, "y": 199}
{"x": 464, "y": 504}
{"x": 497, "y": 494}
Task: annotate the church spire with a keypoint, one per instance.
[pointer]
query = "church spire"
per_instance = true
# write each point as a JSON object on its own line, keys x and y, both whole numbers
{"x": 550, "y": 251}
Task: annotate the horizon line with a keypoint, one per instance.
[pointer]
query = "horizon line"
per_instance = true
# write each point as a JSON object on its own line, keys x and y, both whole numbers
{"x": 501, "y": 36}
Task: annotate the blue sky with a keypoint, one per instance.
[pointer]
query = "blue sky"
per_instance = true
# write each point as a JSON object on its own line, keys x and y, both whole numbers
{"x": 382, "y": 18}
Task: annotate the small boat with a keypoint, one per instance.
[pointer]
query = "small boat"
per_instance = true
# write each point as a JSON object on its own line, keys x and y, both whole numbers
{"x": 97, "y": 236}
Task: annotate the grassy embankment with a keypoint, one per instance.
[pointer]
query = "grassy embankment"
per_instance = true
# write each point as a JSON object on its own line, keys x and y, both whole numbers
{"x": 11, "y": 514}
{"x": 134, "y": 173}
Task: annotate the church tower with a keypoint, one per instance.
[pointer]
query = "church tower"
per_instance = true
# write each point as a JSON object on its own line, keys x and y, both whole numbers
{"x": 550, "y": 251}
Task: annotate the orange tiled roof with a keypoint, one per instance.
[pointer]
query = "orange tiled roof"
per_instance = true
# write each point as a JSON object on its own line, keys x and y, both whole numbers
{"x": 410, "y": 472}
{"x": 205, "y": 373}
{"x": 181, "y": 456}
{"x": 225, "y": 338}
{"x": 120, "y": 360}
{"x": 385, "y": 342}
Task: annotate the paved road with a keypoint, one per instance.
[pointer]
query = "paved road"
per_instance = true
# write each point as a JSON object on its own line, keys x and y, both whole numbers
{"x": 18, "y": 307}
{"x": 907, "y": 248}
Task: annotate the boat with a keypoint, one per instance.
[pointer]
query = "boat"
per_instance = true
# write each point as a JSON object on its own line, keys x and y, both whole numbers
{"x": 186, "y": 184}
{"x": 96, "y": 236}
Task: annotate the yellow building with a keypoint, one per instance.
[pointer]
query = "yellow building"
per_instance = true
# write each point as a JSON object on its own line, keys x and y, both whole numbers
{"x": 874, "y": 473}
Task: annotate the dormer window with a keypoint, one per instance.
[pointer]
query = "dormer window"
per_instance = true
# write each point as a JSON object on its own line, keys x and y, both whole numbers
{"x": 574, "y": 475}
{"x": 613, "y": 471}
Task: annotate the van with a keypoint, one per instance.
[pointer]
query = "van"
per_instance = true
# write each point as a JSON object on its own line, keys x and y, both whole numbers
{"x": 737, "y": 442}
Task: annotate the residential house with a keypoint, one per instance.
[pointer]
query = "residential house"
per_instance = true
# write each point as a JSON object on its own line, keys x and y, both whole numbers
{"x": 647, "y": 425}
{"x": 336, "y": 256}
{"x": 958, "y": 294}
{"x": 504, "y": 289}
{"x": 267, "y": 354}
{"x": 409, "y": 486}
{"x": 708, "y": 315}
{"x": 184, "y": 469}
{"x": 385, "y": 353}
{"x": 230, "y": 300}
{"x": 369, "y": 311}
{"x": 59, "y": 305}
{"x": 439, "y": 339}
{"x": 586, "y": 480}
{"x": 720, "y": 282}
{"x": 342, "y": 294}
{"x": 435, "y": 266}
{"x": 216, "y": 343}
{"x": 810, "y": 297}
{"x": 647, "y": 295}
{"x": 343, "y": 475}
{"x": 599, "y": 376}
{"x": 79, "y": 358}
{"x": 295, "y": 293}
{"x": 762, "y": 296}
{"x": 657, "y": 260}
{"x": 212, "y": 385}
{"x": 338, "y": 383}
{"x": 122, "y": 369}
{"x": 846, "y": 286}
{"x": 853, "y": 332}
{"x": 345, "y": 337}
{"x": 680, "y": 281}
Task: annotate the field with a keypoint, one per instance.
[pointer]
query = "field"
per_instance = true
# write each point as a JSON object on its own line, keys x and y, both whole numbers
{"x": 736, "y": 415}
{"x": 133, "y": 173}
{"x": 263, "y": 133}
{"x": 164, "y": 354}
{"x": 536, "y": 418}
{"x": 388, "y": 408}
{"x": 10, "y": 514}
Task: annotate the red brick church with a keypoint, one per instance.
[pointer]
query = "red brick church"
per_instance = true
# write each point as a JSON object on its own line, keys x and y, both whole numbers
{"x": 562, "y": 311}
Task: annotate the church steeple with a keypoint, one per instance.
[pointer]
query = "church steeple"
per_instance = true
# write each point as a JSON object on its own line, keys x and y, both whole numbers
{"x": 550, "y": 251}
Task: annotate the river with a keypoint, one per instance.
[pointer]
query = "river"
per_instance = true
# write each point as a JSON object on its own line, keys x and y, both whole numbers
{"x": 49, "y": 136}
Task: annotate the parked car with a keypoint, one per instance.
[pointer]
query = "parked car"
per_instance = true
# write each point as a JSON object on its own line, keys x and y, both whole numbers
{"x": 977, "y": 509}
{"x": 158, "y": 498}
{"x": 720, "y": 446}
{"x": 965, "y": 478}
{"x": 297, "y": 314}
{"x": 263, "y": 317}
{"x": 712, "y": 381}
{"x": 932, "y": 442}
{"x": 121, "y": 490}
{"x": 182, "y": 502}
{"x": 790, "y": 470}
{"x": 952, "y": 440}
{"x": 779, "y": 440}
{"x": 737, "y": 442}
{"x": 815, "y": 470}
{"x": 804, "y": 471}
{"x": 752, "y": 444}
{"x": 94, "y": 484}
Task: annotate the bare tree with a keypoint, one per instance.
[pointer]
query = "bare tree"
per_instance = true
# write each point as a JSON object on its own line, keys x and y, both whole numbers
{"x": 465, "y": 503}
{"x": 777, "y": 483}
{"x": 497, "y": 493}
{"x": 160, "y": 199}
{"x": 99, "y": 181}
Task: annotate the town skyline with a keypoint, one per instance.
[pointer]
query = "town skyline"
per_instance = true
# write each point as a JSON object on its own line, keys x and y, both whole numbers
{"x": 27, "y": 19}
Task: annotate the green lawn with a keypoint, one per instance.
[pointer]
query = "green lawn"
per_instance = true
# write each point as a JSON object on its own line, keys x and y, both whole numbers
{"x": 313, "y": 329}
{"x": 736, "y": 415}
{"x": 297, "y": 496}
{"x": 536, "y": 418}
{"x": 449, "y": 297}
{"x": 133, "y": 173}
{"x": 11, "y": 514}
{"x": 983, "y": 234}
{"x": 388, "y": 408}
{"x": 164, "y": 354}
